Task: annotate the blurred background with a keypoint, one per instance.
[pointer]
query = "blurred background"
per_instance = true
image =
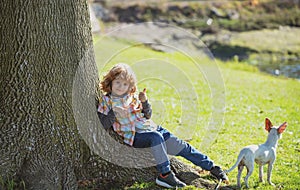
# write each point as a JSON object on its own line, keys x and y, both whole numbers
{"x": 262, "y": 33}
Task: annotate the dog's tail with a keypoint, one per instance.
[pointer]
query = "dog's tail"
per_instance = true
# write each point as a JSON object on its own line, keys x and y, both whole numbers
{"x": 239, "y": 159}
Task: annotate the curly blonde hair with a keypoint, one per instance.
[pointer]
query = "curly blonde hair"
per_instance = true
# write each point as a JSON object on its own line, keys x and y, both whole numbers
{"x": 119, "y": 71}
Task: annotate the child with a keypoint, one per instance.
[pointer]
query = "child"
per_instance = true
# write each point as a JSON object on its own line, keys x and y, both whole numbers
{"x": 129, "y": 115}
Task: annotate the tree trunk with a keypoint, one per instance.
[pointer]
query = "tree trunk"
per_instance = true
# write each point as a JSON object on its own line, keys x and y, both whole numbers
{"x": 42, "y": 43}
{"x": 46, "y": 53}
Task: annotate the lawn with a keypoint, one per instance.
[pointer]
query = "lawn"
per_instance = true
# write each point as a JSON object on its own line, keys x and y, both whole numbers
{"x": 275, "y": 46}
{"x": 188, "y": 93}
{"x": 269, "y": 40}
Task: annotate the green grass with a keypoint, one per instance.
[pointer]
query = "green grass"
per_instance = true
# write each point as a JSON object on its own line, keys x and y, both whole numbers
{"x": 250, "y": 97}
{"x": 11, "y": 184}
{"x": 270, "y": 40}
{"x": 181, "y": 98}
{"x": 260, "y": 47}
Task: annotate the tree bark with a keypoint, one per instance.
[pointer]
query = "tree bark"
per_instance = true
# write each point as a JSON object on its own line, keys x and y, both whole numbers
{"x": 42, "y": 43}
{"x": 46, "y": 51}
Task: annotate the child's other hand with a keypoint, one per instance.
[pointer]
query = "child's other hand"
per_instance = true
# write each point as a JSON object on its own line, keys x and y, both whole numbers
{"x": 120, "y": 111}
{"x": 143, "y": 96}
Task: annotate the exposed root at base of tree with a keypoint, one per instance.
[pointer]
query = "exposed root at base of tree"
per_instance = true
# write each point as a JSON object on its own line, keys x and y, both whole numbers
{"x": 190, "y": 175}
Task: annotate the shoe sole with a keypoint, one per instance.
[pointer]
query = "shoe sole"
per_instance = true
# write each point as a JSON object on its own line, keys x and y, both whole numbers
{"x": 163, "y": 184}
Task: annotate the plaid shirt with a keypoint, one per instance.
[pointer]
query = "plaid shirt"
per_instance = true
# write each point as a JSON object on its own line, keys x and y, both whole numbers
{"x": 125, "y": 126}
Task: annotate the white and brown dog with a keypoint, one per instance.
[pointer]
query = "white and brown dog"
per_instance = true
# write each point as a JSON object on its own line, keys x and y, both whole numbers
{"x": 261, "y": 154}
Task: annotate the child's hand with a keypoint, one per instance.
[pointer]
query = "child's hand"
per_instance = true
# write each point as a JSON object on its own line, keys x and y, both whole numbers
{"x": 143, "y": 96}
{"x": 120, "y": 111}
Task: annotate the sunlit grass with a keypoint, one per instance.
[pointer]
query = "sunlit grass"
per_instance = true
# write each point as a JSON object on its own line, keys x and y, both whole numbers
{"x": 269, "y": 40}
{"x": 175, "y": 83}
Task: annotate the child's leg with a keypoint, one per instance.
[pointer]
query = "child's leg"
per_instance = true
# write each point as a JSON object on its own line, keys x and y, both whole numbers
{"x": 157, "y": 143}
{"x": 178, "y": 147}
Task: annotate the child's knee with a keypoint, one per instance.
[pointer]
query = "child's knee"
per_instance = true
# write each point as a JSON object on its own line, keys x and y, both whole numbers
{"x": 156, "y": 138}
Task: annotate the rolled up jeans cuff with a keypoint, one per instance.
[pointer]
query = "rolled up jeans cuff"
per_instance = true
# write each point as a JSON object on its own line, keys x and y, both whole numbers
{"x": 164, "y": 167}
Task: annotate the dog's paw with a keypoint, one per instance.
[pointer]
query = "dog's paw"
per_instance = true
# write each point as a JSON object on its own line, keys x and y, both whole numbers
{"x": 261, "y": 181}
{"x": 272, "y": 184}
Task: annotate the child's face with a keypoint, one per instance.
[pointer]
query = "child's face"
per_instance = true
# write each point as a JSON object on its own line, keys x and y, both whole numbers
{"x": 120, "y": 87}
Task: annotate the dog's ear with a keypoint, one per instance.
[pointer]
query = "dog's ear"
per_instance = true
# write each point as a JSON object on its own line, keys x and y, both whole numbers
{"x": 268, "y": 125}
{"x": 282, "y": 127}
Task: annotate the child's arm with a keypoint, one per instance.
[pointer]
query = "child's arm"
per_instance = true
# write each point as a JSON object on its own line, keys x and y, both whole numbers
{"x": 147, "y": 110}
{"x": 105, "y": 113}
{"x": 107, "y": 120}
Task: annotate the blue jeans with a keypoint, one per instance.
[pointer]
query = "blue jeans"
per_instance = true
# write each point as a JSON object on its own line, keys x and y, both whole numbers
{"x": 162, "y": 143}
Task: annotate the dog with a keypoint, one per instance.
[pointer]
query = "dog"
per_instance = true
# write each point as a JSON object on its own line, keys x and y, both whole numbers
{"x": 261, "y": 154}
